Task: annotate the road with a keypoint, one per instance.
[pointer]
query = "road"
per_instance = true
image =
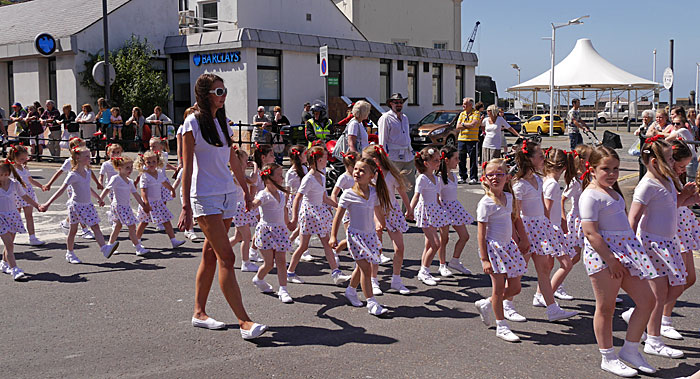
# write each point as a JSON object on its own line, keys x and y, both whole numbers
{"x": 130, "y": 317}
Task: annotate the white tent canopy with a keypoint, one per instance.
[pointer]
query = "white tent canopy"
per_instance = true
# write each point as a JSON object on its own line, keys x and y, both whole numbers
{"x": 585, "y": 69}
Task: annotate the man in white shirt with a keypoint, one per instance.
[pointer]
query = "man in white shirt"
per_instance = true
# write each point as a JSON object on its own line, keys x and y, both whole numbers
{"x": 395, "y": 138}
{"x": 157, "y": 120}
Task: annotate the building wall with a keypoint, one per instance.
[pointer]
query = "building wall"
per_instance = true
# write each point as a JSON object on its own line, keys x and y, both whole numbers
{"x": 4, "y": 89}
{"x": 361, "y": 77}
{"x": 300, "y": 83}
{"x": 67, "y": 81}
{"x": 26, "y": 80}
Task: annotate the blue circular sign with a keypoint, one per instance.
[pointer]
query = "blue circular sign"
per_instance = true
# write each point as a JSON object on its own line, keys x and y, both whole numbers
{"x": 324, "y": 67}
{"x": 45, "y": 44}
{"x": 197, "y": 59}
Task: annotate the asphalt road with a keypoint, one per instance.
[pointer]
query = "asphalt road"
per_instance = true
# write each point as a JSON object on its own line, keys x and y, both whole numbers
{"x": 130, "y": 317}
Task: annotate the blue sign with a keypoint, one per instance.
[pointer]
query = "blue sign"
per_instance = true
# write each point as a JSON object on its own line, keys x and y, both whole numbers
{"x": 45, "y": 44}
{"x": 216, "y": 58}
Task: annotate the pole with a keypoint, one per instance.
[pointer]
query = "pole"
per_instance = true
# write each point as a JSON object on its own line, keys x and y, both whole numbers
{"x": 551, "y": 87}
{"x": 106, "y": 47}
{"x": 697, "y": 74}
{"x": 670, "y": 60}
{"x": 325, "y": 93}
{"x": 653, "y": 76}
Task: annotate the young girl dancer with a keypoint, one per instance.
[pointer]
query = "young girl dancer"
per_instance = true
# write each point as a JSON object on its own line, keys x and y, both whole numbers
{"x": 271, "y": 233}
{"x": 362, "y": 202}
{"x": 152, "y": 179}
{"x": 345, "y": 182}
{"x": 19, "y": 155}
{"x": 243, "y": 219}
{"x": 262, "y": 155}
{"x": 80, "y": 208}
{"x": 10, "y": 220}
{"x": 614, "y": 259}
{"x": 395, "y": 221}
{"x": 314, "y": 217}
{"x": 297, "y": 157}
{"x": 544, "y": 243}
{"x": 500, "y": 257}
{"x": 107, "y": 170}
{"x": 428, "y": 210}
{"x": 457, "y": 216}
{"x": 121, "y": 188}
{"x": 653, "y": 215}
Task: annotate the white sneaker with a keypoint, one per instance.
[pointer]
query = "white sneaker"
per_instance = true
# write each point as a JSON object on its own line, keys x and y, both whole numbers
{"x": 72, "y": 258}
{"x": 512, "y": 315}
{"x": 17, "y": 273}
{"x": 109, "y": 249}
{"x": 538, "y": 300}
{"x": 5, "y": 267}
{"x": 80, "y": 232}
{"x": 209, "y": 323}
{"x": 617, "y": 367}
{"x": 65, "y": 228}
{"x": 191, "y": 235}
{"x": 140, "y": 250}
{"x": 35, "y": 241}
{"x": 176, "y": 243}
{"x": 306, "y": 256}
{"x": 376, "y": 291}
{"x": 383, "y": 259}
{"x": 503, "y": 332}
{"x": 294, "y": 278}
{"x": 426, "y": 278}
{"x": 555, "y": 313}
{"x": 88, "y": 234}
{"x": 669, "y": 331}
{"x": 561, "y": 294}
{"x": 375, "y": 309}
{"x": 635, "y": 359}
{"x": 398, "y": 285}
{"x": 459, "y": 267}
{"x": 338, "y": 277}
{"x": 262, "y": 285}
{"x": 483, "y": 306}
{"x": 254, "y": 332}
{"x": 444, "y": 271}
{"x": 284, "y": 296}
{"x": 249, "y": 267}
{"x": 255, "y": 256}
{"x": 352, "y": 297}
{"x": 662, "y": 350}
{"x": 627, "y": 314}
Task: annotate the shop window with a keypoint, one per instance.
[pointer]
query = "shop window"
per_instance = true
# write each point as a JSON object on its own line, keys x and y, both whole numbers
{"x": 384, "y": 79}
{"x": 459, "y": 85}
{"x": 437, "y": 84}
{"x": 53, "y": 95}
{"x": 412, "y": 83}
{"x": 269, "y": 78}
{"x": 182, "y": 99}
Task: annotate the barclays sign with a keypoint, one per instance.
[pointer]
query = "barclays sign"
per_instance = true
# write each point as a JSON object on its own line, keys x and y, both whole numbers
{"x": 216, "y": 58}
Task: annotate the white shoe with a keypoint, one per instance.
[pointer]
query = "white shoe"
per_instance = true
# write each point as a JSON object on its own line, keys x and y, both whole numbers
{"x": 306, "y": 256}
{"x": 669, "y": 331}
{"x": 209, "y": 323}
{"x": 88, "y": 234}
{"x": 383, "y": 259}
{"x": 65, "y": 228}
{"x": 352, "y": 297}
{"x": 375, "y": 309}
{"x": 160, "y": 227}
{"x": 338, "y": 277}
{"x": 503, "y": 332}
{"x": 538, "y": 300}
{"x": 398, "y": 285}
{"x": 555, "y": 313}
{"x": 72, "y": 258}
{"x": 444, "y": 271}
{"x": 636, "y": 360}
{"x": 109, "y": 249}
{"x": 176, "y": 243}
{"x": 262, "y": 285}
{"x": 294, "y": 278}
{"x": 5, "y": 267}
{"x": 512, "y": 315}
{"x": 284, "y": 296}
{"x": 483, "y": 306}
{"x": 254, "y": 332}
{"x": 140, "y": 250}
{"x": 662, "y": 350}
{"x": 191, "y": 235}
{"x": 17, "y": 273}
{"x": 617, "y": 367}
{"x": 426, "y": 278}
{"x": 255, "y": 256}
{"x": 35, "y": 241}
{"x": 249, "y": 267}
{"x": 618, "y": 300}
{"x": 627, "y": 314}
{"x": 562, "y": 295}
{"x": 459, "y": 267}
{"x": 376, "y": 291}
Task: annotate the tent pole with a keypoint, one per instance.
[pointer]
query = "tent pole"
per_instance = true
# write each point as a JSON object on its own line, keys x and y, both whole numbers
{"x": 613, "y": 116}
{"x": 595, "y": 111}
{"x": 629, "y": 111}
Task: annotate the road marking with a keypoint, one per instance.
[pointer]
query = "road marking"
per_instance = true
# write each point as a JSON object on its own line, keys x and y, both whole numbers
{"x": 628, "y": 176}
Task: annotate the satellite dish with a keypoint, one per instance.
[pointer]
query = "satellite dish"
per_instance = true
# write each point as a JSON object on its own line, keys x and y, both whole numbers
{"x": 98, "y": 73}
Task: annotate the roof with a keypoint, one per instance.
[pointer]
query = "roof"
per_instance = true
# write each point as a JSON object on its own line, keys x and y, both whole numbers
{"x": 584, "y": 68}
{"x": 257, "y": 38}
{"x": 24, "y": 21}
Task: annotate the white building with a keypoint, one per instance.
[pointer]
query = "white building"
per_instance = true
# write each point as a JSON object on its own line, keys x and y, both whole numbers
{"x": 265, "y": 50}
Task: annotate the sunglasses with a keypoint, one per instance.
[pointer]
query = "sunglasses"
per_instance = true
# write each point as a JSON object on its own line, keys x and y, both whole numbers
{"x": 677, "y": 123}
{"x": 221, "y": 91}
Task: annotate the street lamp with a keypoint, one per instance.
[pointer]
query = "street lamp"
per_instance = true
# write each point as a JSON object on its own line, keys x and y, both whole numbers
{"x": 575, "y": 21}
{"x": 495, "y": 98}
{"x": 515, "y": 66}
{"x": 697, "y": 76}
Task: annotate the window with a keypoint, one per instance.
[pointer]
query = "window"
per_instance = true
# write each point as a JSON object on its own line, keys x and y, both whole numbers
{"x": 10, "y": 83}
{"x": 459, "y": 85}
{"x": 269, "y": 75}
{"x": 52, "y": 79}
{"x": 440, "y": 45}
{"x": 437, "y": 83}
{"x": 412, "y": 83}
{"x": 399, "y": 65}
{"x": 209, "y": 15}
{"x": 335, "y": 76}
{"x": 181, "y": 86}
{"x": 384, "y": 79}
{"x": 401, "y": 43}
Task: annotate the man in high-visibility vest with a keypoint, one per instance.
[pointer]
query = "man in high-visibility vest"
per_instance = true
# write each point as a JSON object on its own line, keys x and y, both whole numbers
{"x": 318, "y": 127}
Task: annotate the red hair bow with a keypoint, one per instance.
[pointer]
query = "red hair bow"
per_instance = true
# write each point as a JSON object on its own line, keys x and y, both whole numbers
{"x": 294, "y": 152}
{"x": 483, "y": 165}
{"x": 442, "y": 155}
{"x": 265, "y": 172}
{"x": 9, "y": 162}
{"x": 548, "y": 150}
{"x": 317, "y": 152}
{"x": 524, "y": 148}
{"x": 257, "y": 146}
{"x": 379, "y": 149}
{"x": 379, "y": 170}
{"x": 418, "y": 155}
{"x": 588, "y": 170}
{"x": 653, "y": 139}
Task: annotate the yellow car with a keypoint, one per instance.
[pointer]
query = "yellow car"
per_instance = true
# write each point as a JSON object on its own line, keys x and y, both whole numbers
{"x": 539, "y": 124}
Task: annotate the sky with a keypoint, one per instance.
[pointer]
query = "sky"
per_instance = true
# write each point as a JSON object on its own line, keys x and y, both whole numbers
{"x": 624, "y": 32}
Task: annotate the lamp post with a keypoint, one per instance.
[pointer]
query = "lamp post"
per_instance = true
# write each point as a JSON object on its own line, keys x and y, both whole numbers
{"x": 515, "y": 66}
{"x": 106, "y": 47}
{"x": 575, "y": 21}
{"x": 697, "y": 77}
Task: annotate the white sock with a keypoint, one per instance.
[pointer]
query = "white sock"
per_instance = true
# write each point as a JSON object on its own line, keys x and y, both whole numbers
{"x": 454, "y": 260}
{"x": 34, "y": 236}
{"x": 352, "y": 290}
{"x": 396, "y": 278}
{"x": 507, "y": 304}
{"x": 375, "y": 281}
{"x": 255, "y": 278}
{"x": 173, "y": 240}
{"x": 283, "y": 288}
{"x": 443, "y": 265}
{"x": 666, "y": 321}
{"x": 608, "y": 354}
{"x": 500, "y": 323}
{"x": 424, "y": 269}
{"x": 371, "y": 300}
{"x": 553, "y": 307}
{"x": 654, "y": 340}
{"x": 633, "y": 346}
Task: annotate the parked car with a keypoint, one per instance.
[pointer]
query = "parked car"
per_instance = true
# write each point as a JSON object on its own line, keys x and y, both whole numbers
{"x": 539, "y": 124}
{"x": 438, "y": 128}
{"x": 514, "y": 121}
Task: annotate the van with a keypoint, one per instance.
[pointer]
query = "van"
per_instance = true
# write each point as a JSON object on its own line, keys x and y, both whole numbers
{"x": 620, "y": 112}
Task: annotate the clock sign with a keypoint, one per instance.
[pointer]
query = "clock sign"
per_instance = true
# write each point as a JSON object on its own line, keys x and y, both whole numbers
{"x": 45, "y": 44}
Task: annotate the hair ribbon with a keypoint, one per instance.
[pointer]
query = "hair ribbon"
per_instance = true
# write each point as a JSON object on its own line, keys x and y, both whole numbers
{"x": 588, "y": 170}
{"x": 524, "y": 148}
{"x": 653, "y": 139}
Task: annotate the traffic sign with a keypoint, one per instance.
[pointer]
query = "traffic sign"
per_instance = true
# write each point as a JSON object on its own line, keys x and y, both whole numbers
{"x": 323, "y": 62}
{"x": 98, "y": 73}
{"x": 668, "y": 78}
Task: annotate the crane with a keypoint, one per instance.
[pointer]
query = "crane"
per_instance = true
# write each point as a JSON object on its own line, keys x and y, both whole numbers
{"x": 470, "y": 43}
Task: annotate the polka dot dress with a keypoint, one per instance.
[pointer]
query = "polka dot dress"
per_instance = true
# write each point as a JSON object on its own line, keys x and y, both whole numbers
{"x": 243, "y": 217}
{"x": 456, "y": 214}
{"x": 83, "y": 213}
{"x": 364, "y": 245}
{"x": 395, "y": 220}
{"x": 428, "y": 215}
{"x": 628, "y": 251}
{"x": 11, "y": 222}
{"x": 122, "y": 214}
{"x": 505, "y": 258}
{"x": 543, "y": 239}
{"x": 272, "y": 237}
{"x": 563, "y": 242}
{"x": 159, "y": 213}
{"x": 688, "y": 230}
{"x": 665, "y": 255}
{"x": 165, "y": 194}
{"x": 314, "y": 219}
{"x": 29, "y": 189}
{"x": 575, "y": 236}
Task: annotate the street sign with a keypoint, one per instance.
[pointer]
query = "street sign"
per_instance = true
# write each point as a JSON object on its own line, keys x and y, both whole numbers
{"x": 45, "y": 44}
{"x": 323, "y": 61}
{"x": 332, "y": 81}
{"x": 98, "y": 73}
{"x": 668, "y": 78}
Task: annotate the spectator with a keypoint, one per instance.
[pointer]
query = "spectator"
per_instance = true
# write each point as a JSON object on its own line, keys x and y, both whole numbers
{"x": 692, "y": 125}
{"x": 642, "y": 132}
{"x": 49, "y": 120}
{"x": 660, "y": 124}
{"x": 395, "y": 138}
{"x": 468, "y": 125}
{"x": 67, "y": 119}
{"x": 479, "y": 107}
{"x": 278, "y": 121}
{"x": 116, "y": 121}
{"x": 158, "y": 119}
{"x": 103, "y": 116}
{"x": 574, "y": 123}
{"x": 36, "y": 130}
{"x": 86, "y": 119}
{"x": 679, "y": 131}
{"x": 306, "y": 113}
{"x": 142, "y": 132}
{"x": 357, "y": 134}
{"x": 493, "y": 125}
{"x": 260, "y": 123}
{"x": 18, "y": 117}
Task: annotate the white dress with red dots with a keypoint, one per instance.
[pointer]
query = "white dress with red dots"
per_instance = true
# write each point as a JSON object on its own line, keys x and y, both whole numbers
{"x": 24, "y": 174}
{"x": 271, "y": 232}
{"x": 363, "y": 242}
{"x": 80, "y": 208}
{"x": 314, "y": 217}
{"x": 543, "y": 238}
{"x": 456, "y": 213}
{"x": 395, "y": 219}
{"x": 504, "y": 255}
{"x": 10, "y": 219}
{"x": 159, "y": 211}
{"x": 552, "y": 191}
{"x": 120, "y": 208}
{"x": 427, "y": 211}
{"x": 573, "y": 218}
{"x": 688, "y": 230}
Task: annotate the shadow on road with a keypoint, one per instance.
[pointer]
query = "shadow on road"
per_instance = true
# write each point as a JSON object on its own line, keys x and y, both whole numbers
{"x": 108, "y": 267}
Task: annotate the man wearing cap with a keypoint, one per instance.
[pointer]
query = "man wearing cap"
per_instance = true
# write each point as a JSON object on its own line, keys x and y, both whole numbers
{"x": 468, "y": 125}
{"x": 18, "y": 117}
{"x": 261, "y": 122}
{"x": 394, "y": 137}
{"x": 306, "y": 113}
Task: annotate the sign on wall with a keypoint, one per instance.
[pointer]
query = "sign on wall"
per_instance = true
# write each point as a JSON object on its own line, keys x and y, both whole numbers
{"x": 45, "y": 44}
{"x": 216, "y": 58}
{"x": 323, "y": 60}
